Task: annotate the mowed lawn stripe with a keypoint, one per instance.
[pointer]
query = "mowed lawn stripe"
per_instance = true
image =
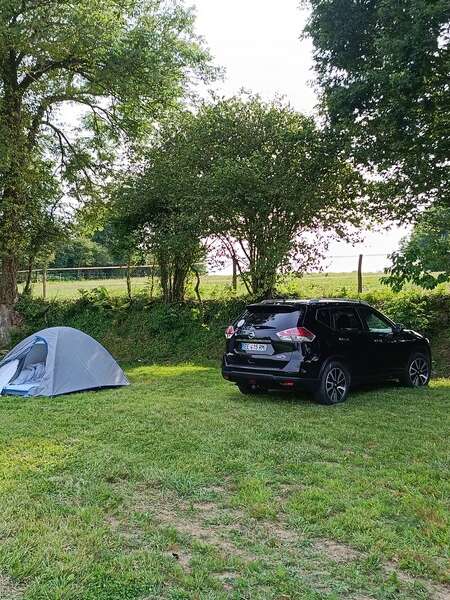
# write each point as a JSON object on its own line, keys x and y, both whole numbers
{"x": 179, "y": 487}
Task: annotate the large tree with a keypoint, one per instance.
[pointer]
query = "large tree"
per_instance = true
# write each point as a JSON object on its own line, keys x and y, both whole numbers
{"x": 257, "y": 177}
{"x": 273, "y": 183}
{"x": 383, "y": 67}
{"x": 124, "y": 61}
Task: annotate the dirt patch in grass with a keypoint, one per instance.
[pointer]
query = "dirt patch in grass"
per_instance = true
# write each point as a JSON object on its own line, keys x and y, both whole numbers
{"x": 280, "y": 533}
{"x": 182, "y": 557}
{"x": 340, "y": 552}
{"x": 227, "y": 579}
{"x": 336, "y": 551}
{"x": 194, "y": 523}
{"x": 440, "y": 592}
{"x": 437, "y": 591}
{"x": 220, "y": 524}
{"x": 9, "y": 590}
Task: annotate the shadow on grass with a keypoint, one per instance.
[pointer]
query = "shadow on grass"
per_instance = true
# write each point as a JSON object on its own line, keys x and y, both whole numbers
{"x": 361, "y": 393}
{"x": 209, "y": 373}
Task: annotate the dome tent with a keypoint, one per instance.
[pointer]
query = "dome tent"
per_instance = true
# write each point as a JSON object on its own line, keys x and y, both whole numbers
{"x": 57, "y": 361}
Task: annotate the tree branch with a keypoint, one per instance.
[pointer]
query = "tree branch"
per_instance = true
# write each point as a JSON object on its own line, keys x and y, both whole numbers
{"x": 40, "y": 70}
{"x": 62, "y": 138}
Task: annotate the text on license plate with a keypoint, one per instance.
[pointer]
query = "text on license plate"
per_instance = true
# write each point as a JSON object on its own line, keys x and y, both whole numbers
{"x": 254, "y": 347}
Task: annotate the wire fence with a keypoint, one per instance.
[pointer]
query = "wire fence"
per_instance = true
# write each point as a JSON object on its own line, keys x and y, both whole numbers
{"x": 350, "y": 270}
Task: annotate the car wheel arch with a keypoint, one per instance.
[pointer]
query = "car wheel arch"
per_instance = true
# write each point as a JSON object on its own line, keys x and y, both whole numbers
{"x": 335, "y": 358}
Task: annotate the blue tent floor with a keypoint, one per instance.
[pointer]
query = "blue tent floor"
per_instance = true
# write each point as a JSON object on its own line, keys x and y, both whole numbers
{"x": 18, "y": 390}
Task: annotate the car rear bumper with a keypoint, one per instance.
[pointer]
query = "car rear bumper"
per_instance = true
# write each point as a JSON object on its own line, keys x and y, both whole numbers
{"x": 267, "y": 380}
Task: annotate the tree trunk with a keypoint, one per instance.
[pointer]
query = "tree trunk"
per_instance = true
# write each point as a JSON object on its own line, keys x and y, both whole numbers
{"x": 263, "y": 282}
{"x": 152, "y": 284}
{"x": 6, "y": 317}
{"x": 234, "y": 280}
{"x": 8, "y": 297}
{"x": 129, "y": 289}
{"x": 13, "y": 199}
{"x": 173, "y": 273}
{"x": 264, "y": 265}
{"x": 27, "y": 288}
{"x": 164, "y": 276}
{"x": 197, "y": 284}
{"x": 8, "y": 281}
{"x": 179, "y": 281}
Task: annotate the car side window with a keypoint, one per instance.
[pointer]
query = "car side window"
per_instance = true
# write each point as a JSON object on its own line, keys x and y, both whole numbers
{"x": 323, "y": 316}
{"x": 346, "y": 319}
{"x": 375, "y": 323}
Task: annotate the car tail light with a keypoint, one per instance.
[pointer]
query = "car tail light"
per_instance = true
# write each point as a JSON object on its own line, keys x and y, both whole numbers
{"x": 229, "y": 332}
{"x": 296, "y": 334}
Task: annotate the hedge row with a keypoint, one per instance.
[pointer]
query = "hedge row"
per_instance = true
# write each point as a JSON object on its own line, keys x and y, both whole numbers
{"x": 154, "y": 332}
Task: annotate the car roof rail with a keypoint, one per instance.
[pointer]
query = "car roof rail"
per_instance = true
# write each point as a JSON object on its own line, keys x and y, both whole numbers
{"x": 311, "y": 301}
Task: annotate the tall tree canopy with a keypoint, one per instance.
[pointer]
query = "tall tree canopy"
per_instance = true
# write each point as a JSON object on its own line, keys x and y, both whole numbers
{"x": 272, "y": 178}
{"x": 125, "y": 61}
{"x": 255, "y": 176}
{"x": 384, "y": 69}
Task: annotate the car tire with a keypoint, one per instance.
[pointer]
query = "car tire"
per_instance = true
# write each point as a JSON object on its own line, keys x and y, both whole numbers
{"x": 249, "y": 390}
{"x": 334, "y": 384}
{"x": 417, "y": 371}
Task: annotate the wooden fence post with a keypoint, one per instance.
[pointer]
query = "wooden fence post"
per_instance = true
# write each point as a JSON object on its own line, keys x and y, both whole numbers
{"x": 360, "y": 280}
{"x": 44, "y": 282}
{"x": 234, "y": 281}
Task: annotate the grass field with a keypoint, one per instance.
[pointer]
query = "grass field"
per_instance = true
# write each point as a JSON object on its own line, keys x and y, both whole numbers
{"x": 213, "y": 285}
{"x": 180, "y": 488}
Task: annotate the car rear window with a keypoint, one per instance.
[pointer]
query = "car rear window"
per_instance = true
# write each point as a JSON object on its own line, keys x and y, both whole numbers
{"x": 346, "y": 319}
{"x": 276, "y": 318}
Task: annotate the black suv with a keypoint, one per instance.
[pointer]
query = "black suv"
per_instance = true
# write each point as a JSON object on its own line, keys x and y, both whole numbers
{"x": 322, "y": 346}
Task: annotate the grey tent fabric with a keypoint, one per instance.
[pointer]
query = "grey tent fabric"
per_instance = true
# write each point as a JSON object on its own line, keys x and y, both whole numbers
{"x": 57, "y": 361}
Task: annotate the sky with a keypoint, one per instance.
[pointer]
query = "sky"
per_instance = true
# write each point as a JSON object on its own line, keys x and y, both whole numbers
{"x": 258, "y": 43}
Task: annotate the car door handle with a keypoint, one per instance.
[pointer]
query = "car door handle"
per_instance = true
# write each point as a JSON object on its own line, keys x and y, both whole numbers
{"x": 342, "y": 339}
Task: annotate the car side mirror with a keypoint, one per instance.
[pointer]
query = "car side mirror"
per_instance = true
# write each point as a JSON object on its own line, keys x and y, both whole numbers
{"x": 398, "y": 328}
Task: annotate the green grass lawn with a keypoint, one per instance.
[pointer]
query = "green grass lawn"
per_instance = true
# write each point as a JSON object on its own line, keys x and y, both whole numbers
{"x": 179, "y": 487}
{"x": 319, "y": 284}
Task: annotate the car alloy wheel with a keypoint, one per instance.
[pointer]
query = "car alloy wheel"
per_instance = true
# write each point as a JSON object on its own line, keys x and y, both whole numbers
{"x": 336, "y": 384}
{"x": 419, "y": 371}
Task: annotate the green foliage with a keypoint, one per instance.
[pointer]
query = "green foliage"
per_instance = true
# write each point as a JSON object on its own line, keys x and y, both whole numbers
{"x": 427, "y": 313}
{"x": 80, "y": 252}
{"x": 270, "y": 176}
{"x": 124, "y": 63}
{"x": 156, "y": 212}
{"x": 383, "y": 68}
{"x": 253, "y": 178}
{"x": 98, "y": 297}
{"x": 153, "y": 331}
{"x": 424, "y": 258}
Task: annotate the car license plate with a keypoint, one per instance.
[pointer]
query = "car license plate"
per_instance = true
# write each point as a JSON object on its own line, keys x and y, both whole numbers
{"x": 254, "y": 347}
